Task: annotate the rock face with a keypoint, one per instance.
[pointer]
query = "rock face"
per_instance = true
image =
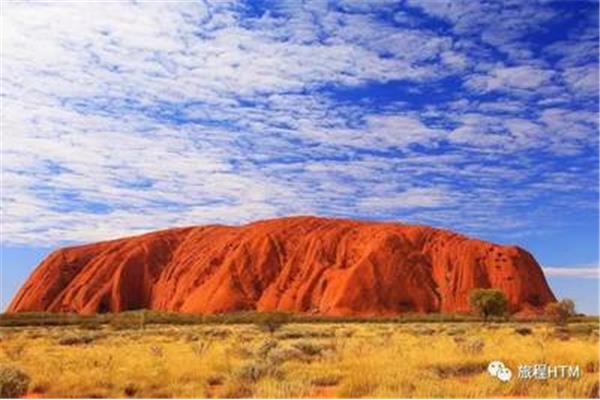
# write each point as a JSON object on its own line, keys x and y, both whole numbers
{"x": 301, "y": 264}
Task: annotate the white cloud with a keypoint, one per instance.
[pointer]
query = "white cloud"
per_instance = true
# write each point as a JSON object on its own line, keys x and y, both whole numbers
{"x": 125, "y": 117}
{"x": 583, "y": 80}
{"x": 481, "y": 130}
{"x": 571, "y": 124}
{"x": 379, "y": 131}
{"x": 454, "y": 59}
{"x": 411, "y": 198}
{"x": 573, "y": 272}
{"x": 507, "y": 78}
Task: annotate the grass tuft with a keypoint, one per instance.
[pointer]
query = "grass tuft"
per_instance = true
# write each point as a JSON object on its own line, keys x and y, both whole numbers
{"x": 13, "y": 382}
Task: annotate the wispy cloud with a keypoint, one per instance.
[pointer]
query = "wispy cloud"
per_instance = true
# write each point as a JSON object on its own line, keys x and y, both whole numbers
{"x": 125, "y": 117}
{"x": 573, "y": 272}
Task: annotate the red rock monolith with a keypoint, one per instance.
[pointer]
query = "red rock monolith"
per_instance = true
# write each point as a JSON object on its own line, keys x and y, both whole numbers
{"x": 301, "y": 264}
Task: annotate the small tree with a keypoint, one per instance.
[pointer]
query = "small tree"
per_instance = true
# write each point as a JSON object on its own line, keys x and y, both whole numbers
{"x": 271, "y": 321}
{"x": 488, "y": 303}
{"x": 568, "y": 305}
{"x": 559, "y": 312}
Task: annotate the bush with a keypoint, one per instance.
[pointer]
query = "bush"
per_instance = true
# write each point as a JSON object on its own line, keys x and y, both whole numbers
{"x": 523, "y": 330}
{"x": 131, "y": 389}
{"x": 305, "y": 333}
{"x": 191, "y": 337}
{"x": 237, "y": 390}
{"x": 422, "y": 331}
{"x": 488, "y": 303}
{"x": 216, "y": 333}
{"x": 562, "y": 333}
{"x": 73, "y": 340}
{"x": 309, "y": 348}
{"x": 201, "y": 347}
{"x": 271, "y": 322}
{"x": 560, "y": 312}
{"x": 326, "y": 380}
{"x": 13, "y": 382}
{"x": 128, "y": 320}
{"x": 265, "y": 348}
{"x": 474, "y": 346}
{"x": 253, "y": 371}
{"x": 90, "y": 325}
{"x": 581, "y": 329}
{"x": 279, "y": 356}
{"x": 214, "y": 380}
{"x": 569, "y": 305}
{"x": 455, "y": 332}
{"x": 459, "y": 370}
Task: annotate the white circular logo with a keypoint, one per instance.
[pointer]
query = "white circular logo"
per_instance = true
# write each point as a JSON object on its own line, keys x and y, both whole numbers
{"x": 499, "y": 370}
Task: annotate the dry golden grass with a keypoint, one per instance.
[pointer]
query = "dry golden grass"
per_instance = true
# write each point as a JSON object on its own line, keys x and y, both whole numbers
{"x": 299, "y": 360}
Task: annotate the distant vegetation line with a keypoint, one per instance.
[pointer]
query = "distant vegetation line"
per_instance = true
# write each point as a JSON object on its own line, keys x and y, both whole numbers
{"x": 145, "y": 317}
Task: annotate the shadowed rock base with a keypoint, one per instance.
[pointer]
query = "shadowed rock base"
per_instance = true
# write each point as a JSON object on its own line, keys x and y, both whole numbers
{"x": 301, "y": 264}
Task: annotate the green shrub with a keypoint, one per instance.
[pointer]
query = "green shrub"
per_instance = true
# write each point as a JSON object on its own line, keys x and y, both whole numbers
{"x": 13, "y": 382}
{"x": 488, "y": 303}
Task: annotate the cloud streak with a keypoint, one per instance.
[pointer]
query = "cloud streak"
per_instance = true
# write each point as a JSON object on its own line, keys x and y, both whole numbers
{"x": 573, "y": 272}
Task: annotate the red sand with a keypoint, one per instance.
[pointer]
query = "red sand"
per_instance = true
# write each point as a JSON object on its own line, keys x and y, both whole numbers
{"x": 301, "y": 264}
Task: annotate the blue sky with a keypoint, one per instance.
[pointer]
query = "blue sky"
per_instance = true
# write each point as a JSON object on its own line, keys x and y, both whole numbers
{"x": 481, "y": 117}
